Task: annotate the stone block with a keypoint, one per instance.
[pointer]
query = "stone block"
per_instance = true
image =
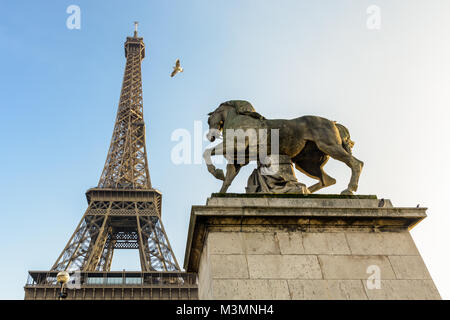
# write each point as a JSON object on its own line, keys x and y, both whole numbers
{"x": 204, "y": 275}
{"x": 225, "y": 243}
{"x": 297, "y": 203}
{"x": 381, "y": 243}
{"x": 250, "y": 289}
{"x": 325, "y": 243}
{"x": 260, "y": 243}
{"x": 409, "y": 267}
{"x": 290, "y": 242}
{"x": 283, "y": 267}
{"x": 404, "y": 290}
{"x": 228, "y": 266}
{"x": 327, "y": 290}
{"x": 354, "y": 267}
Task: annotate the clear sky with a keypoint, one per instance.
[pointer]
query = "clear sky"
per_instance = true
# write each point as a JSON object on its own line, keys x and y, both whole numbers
{"x": 59, "y": 90}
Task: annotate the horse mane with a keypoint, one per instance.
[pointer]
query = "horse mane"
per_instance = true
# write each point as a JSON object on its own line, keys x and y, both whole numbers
{"x": 252, "y": 114}
{"x": 242, "y": 107}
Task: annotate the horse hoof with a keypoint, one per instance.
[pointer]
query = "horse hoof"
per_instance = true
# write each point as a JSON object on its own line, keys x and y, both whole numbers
{"x": 218, "y": 173}
{"x": 347, "y": 192}
{"x": 304, "y": 189}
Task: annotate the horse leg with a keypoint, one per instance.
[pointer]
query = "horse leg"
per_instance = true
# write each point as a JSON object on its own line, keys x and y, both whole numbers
{"x": 234, "y": 166}
{"x": 316, "y": 172}
{"x": 311, "y": 161}
{"x": 337, "y": 152}
{"x": 327, "y": 181}
{"x": 207, "y": 154}
{"x": 232, "y": 171}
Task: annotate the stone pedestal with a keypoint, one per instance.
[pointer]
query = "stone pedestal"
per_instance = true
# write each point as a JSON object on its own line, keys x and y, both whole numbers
{"x": 306, "y": 247}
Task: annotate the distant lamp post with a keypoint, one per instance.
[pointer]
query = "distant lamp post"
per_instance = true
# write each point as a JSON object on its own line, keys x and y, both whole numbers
{"x": 62, "y": 278}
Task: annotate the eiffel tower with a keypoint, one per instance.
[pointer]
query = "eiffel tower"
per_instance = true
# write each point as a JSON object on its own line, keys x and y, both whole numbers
{"x": 124, "y": 212}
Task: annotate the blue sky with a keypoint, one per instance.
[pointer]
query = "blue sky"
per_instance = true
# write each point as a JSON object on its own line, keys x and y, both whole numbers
{"x": 59, "y": 91}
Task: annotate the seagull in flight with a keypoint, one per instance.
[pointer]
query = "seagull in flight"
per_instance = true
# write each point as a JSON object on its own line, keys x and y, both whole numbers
{"x": 177, "y": 68}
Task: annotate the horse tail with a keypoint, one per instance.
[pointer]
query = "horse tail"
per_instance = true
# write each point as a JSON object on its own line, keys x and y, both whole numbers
{"x": 347, "y": 143}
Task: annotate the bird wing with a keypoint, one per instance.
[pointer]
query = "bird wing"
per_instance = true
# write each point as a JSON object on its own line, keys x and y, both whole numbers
{"x": 177, "y": 63}
{"x": 174, "y": 72}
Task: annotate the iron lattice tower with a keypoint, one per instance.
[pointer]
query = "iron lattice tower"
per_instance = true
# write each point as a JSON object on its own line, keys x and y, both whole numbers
{"x": 124, "y": 211}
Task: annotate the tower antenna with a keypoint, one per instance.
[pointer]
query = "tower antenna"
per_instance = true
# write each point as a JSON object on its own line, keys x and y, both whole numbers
{"x": 136, "y": 23}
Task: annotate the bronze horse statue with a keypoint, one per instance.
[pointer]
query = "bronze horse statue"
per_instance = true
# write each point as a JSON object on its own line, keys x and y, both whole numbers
{"x": 309, "y": 141}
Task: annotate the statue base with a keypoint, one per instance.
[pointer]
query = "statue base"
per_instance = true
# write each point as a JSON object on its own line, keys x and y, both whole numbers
{"x": 286, "y": 246}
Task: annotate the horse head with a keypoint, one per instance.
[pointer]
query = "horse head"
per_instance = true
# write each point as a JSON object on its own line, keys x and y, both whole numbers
{"x": 216, "y": 121}
{"x": 218, "y": 117}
